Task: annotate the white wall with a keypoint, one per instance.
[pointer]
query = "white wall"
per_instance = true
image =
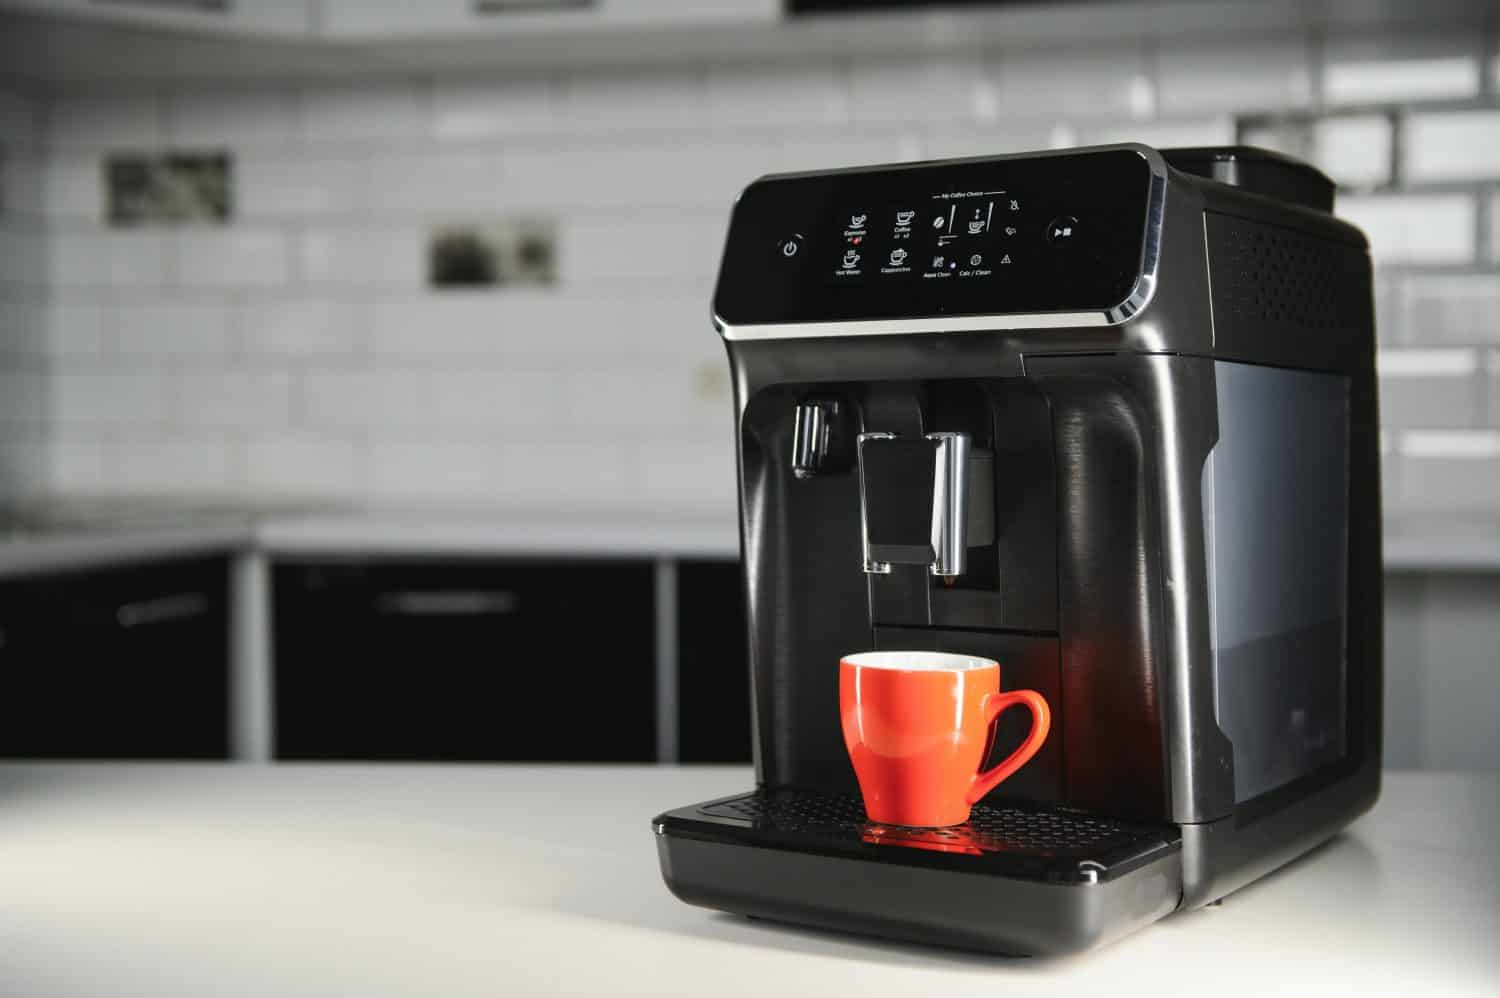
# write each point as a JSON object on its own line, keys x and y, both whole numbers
{"x": 296, "y": 353}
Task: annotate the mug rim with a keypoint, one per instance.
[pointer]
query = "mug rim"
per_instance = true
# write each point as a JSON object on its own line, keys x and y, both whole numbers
{"x": 918, "y": 661}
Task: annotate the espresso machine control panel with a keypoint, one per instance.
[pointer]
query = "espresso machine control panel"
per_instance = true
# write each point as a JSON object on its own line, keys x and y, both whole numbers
{"x": 1001, "y": 236}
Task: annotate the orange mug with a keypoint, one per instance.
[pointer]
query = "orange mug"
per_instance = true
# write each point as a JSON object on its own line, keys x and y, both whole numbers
{"x": 917, "y": 725}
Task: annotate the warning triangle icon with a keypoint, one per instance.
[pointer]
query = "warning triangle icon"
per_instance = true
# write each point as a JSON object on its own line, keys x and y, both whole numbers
{"x": 1005, "y": 258}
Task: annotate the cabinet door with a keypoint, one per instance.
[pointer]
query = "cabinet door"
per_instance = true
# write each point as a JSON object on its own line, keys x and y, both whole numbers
{"x": 713, "y": 663}
{"x": 514, "y": 660}
{"x": 126, "y": 663}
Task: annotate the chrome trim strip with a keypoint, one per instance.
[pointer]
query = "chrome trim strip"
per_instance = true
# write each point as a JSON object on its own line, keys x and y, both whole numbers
{"x": 950, "y": 504}
{"x": 1140, "y": 295}
{"x": 871, "y": 566}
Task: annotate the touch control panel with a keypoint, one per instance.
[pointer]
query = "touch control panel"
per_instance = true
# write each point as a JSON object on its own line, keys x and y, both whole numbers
{"x": 978, "y": 237}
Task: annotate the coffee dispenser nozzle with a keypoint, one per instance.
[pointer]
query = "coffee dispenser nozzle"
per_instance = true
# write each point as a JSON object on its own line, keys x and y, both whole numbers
{"x": 914, "y": 498}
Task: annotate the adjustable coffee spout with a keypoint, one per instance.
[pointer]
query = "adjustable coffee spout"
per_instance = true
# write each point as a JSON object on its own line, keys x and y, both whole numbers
{"x": 914, "y": 501}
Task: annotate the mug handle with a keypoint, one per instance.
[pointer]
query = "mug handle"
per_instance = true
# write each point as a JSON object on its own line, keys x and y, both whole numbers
{"x": 1041, "y": 721}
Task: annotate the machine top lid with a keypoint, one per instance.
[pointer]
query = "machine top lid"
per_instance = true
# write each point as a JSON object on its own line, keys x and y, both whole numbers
{"x": 1260, "y": 171}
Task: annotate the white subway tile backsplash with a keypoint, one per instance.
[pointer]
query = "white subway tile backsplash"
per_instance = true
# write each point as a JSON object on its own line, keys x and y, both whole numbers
{"x": 609, "y": 103}
{"x": 1429, "y": 388}
{"x": 296, "y": 352}
{"x": 213, "y": 118}
{"x": 23, "y": 329}
{"x": 101, "y": 121}
{"x": 151, "y": 333}
{"x": 490, "y": 399}
{"x": 435, "y": 328}
{"x": 1273, "y": 75}
{"x": 470, "y": 109}
{"x": 1166, "y": 134}
{"x": 91, "y": 259}
{"x": 1092, "y": 83}
{"x": 393, "y": 258}
{"x": 598, "y": 252}
{"x": 440, "y": 184}
{"x": 1394, "y": 68}
{"x": 1445, "y": 471}
{"x": 884, "y": 90}
{"x": 279, "y": 185}
{"x": 1354, "y": 150}
{"x": 435, "y": 468}
{"x": 20, "y": 120}
{"x": 638, "y": 177}
{"x": 109, "y": 398}
{"x": 643, "y": 399}
{"x": 546, "y": 323}
{"x": 1414, "y": 228}
{"x": 1453, "y": 145}
{"x": 234, "y": 399}
{"x": 231, "y": 258}
{"x": 517, "y": 322}
{"x": 1492, "y": 389}
{"x": 1449, "y": 308}
{"x": 830, "y": 149}
{"x": 788, "y": 95}
{"x": 195, "y": 464}
{"x": 298, "y": 329}
{"x": 374, "y": 113}
{"x": 567, "y": 475}
{"x": 358, "y": 400}
{"x": 300, "y": 464}
{"x": 23, "y": 261}
{"x": 680, "y": 322}
{"x": 22, "y": 182}
{"x": 696, "y": 476}
{"x": 77, "y": 464}
{"x": 955, "y": 141}
{"x": 73, "y": 187}
{"x": 23, "y": 399}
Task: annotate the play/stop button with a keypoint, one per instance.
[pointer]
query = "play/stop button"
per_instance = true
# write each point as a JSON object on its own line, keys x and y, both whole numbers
{"x": 1062, "y": 230}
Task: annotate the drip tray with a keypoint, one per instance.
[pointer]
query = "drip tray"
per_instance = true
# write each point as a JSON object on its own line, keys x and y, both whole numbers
{"x": 1017, "y": 879}
{"x": 1014, "y": 840}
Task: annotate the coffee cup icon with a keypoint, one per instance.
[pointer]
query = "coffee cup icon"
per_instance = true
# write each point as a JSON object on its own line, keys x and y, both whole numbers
{"x": 905, "y": 217}
{"x": 850, "y": 259}
{"x": 898, "y": 257}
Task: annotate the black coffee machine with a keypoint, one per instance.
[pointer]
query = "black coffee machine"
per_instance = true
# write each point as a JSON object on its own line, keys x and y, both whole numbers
{"x": 1107, "y": 416}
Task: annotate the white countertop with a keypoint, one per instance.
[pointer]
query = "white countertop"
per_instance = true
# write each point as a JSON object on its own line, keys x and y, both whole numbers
{"x": 498, "y": 881}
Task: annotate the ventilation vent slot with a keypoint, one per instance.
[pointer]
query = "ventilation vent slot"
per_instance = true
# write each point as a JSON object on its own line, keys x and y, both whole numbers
{"x": 1282, "y": 281}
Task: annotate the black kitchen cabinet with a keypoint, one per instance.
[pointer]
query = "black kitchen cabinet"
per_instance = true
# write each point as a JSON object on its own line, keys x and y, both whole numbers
{"x": 713, "y": 663}
{"x": 465, "y": 660}
{"x": 122, "y": 663}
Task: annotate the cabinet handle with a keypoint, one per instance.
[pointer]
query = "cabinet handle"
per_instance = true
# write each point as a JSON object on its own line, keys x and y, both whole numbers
{"x": 447, "y": 603}
{"x": 161, "y": 610}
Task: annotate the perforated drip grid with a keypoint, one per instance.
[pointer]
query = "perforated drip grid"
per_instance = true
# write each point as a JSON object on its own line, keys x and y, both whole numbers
{"x": 1013, "y": 838}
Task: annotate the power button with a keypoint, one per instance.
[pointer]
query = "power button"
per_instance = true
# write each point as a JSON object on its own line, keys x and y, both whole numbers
{"x": 790, "y": 246}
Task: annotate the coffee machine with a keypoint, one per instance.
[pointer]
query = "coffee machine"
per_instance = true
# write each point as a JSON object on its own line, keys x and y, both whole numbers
{"x": 1106, "y": 415}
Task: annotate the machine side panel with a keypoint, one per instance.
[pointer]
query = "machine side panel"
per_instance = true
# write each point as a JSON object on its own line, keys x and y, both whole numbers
{"x": 1132, "y": 435}
{"x": 1276, "y": 496}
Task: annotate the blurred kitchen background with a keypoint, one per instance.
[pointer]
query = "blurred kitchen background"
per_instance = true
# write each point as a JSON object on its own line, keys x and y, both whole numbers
{"x": 345, "y": 344}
